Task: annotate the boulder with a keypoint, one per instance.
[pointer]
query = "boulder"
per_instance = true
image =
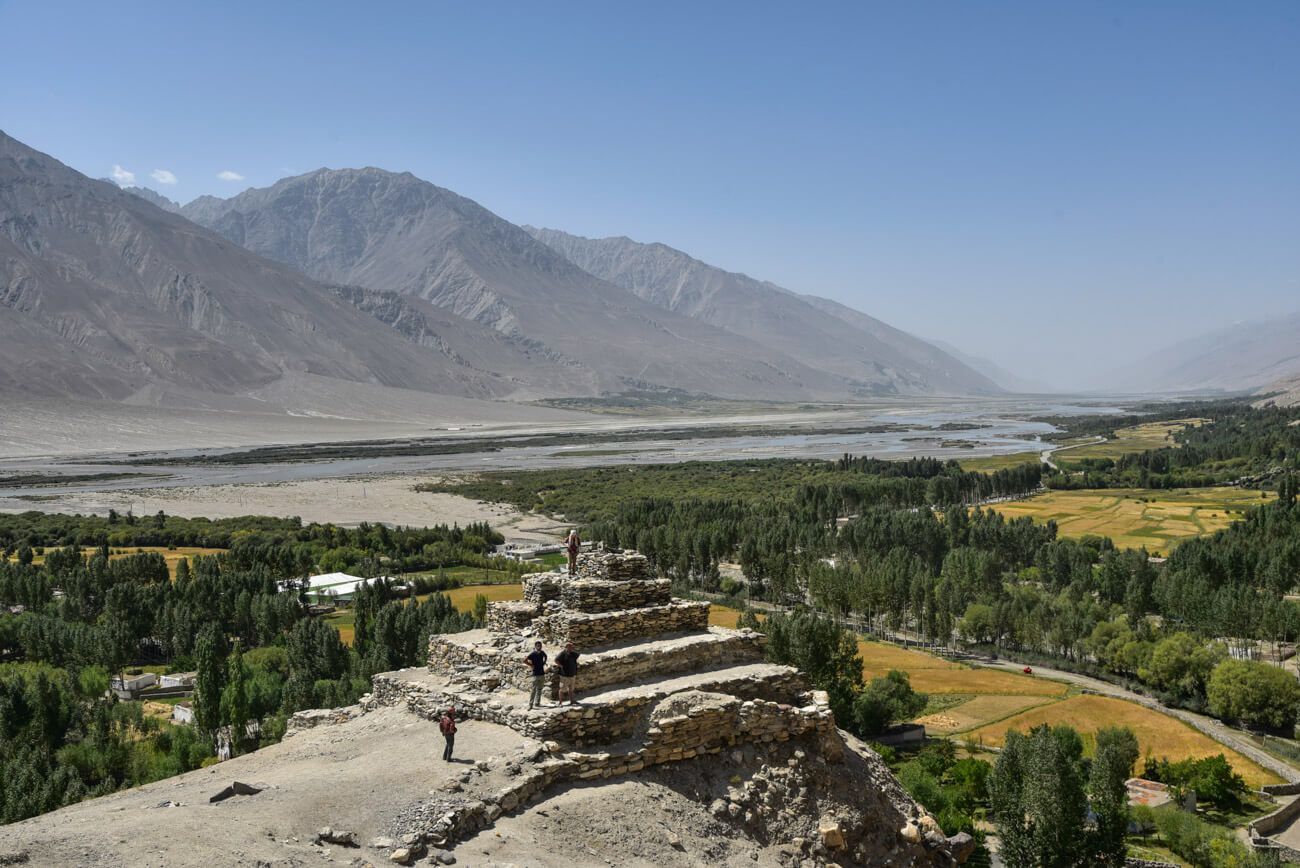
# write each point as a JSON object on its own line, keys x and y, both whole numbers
{"x": 962, "y": 845}
{"x": 832, "y": 834}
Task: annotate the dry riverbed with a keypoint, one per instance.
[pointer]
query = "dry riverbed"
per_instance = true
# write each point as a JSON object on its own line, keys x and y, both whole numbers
{"x": 391, "y": 499}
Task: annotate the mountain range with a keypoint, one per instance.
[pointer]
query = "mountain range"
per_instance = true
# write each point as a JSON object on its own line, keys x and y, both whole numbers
{"x": 337, "y": 281}
{"x": 105, "y": 296}
{"x": 817, "y": 332}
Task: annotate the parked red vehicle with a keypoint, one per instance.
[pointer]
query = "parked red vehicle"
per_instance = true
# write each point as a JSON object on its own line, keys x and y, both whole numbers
{"x": 1027, "y": 671}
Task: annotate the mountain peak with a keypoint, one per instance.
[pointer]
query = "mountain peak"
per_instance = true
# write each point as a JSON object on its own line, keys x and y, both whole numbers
{"x": 389, "y": 231}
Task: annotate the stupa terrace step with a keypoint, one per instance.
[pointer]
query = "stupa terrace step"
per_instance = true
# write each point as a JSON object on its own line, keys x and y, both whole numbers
{"x": 546, "y": 595}
{"x": 753, "y": 702}
{"x": 603, "y": 629}
{"x": 490, "y": 660}
{"x": 583, "y": 594}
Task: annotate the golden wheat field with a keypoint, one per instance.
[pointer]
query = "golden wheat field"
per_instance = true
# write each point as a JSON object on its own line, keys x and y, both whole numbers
{"x": 979, "y": 711}
{"x": 1133, "y": 518}
{"x": 931, "y": 674}
{"x": 1158, "y": 734}
{"x": 878, "y": 658}
{"x": 990, "y": 681}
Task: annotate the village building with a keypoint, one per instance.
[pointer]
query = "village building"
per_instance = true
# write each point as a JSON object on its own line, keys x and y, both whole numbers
{"x": 131, "y": 686}
{"x": 178, "y": 679}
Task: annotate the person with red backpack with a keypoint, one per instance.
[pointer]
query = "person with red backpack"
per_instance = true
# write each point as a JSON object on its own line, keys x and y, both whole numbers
{"x": 448, "y": 727}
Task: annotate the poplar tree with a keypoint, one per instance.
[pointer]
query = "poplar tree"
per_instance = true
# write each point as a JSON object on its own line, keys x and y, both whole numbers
{"x": 207, "y": 687}
{"x": 234, "y": 700}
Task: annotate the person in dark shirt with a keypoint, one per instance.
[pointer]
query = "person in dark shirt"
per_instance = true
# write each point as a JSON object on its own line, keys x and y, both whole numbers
{"x": 567, "y": 663}
{"x": 448, "y": 727}
{"x": 537, "y": 660}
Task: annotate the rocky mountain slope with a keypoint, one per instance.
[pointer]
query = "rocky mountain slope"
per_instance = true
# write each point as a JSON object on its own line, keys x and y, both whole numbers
{"x": 1284, "y": 392}
{"x": 1244, "y": 356}
{"x": 395, "y": 232}
{"x": 819, "y": 333}
{"x": 104, "y": 295}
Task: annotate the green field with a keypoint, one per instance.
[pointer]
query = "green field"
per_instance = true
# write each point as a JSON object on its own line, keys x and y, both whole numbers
{"x": 1133, "y": 518}
{"x": 991, "y": 463}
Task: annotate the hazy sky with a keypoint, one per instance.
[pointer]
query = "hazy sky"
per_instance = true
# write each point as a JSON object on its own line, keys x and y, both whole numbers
{"x": 1056, "y": 186}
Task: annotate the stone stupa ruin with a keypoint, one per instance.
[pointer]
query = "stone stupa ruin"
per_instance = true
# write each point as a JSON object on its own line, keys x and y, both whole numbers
{"x": 658, "y": 685}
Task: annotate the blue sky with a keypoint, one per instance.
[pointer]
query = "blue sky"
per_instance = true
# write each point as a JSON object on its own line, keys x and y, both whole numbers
{"x": 1056, "y": 186}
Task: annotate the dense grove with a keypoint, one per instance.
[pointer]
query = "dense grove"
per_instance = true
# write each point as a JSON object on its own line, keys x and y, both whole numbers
{"x": 80, "y": 616}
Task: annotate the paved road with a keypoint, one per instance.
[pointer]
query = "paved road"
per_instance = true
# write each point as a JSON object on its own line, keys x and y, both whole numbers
{"x": 1224, "y": 735}
{"x": 1046, "y": 455}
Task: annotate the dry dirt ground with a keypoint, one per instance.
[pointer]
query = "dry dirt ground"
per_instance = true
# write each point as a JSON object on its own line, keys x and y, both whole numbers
{"x": 391, "y": 499}
{"x": 375, "y": 776}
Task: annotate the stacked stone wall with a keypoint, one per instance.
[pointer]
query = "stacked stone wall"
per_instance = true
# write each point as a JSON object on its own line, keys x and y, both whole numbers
{"x": 611, "y": 565}
{"x": 714, "y": 650}
{"x": 541, "y": 588}
{"x": 511, "y": 617}
{"x": 1270, "y": 823}
{"x": 609, "y": 628}
{"x": 604, "y": 595}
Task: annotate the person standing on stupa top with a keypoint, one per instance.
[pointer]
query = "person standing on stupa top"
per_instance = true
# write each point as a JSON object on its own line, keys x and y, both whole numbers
{"x": 572, "y": 545}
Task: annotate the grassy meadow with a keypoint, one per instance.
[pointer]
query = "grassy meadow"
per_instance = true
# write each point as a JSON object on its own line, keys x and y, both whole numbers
{"x": 1157, "y": 519}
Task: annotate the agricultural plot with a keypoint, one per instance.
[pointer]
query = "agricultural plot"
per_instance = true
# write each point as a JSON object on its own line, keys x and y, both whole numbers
{"x": 991, "y": 463}
{"x": 1134, "y": 518}
{"x": 979, "y": 711}
{"x": 985, "y": 681}
{"x": 878, "y": 658}
{"x": 463, "y": 598}
{"x": 1138, "y": 438}
{"x": 1158, "y": 734}
{"x": 931, "y": 674}
{"x": 721, "y": 616}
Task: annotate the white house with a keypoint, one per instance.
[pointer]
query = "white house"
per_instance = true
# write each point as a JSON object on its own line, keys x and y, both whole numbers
{"x": 131, "y": 686}
{"x": 178, "y": 679}
{"x": 183, "y": 712}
